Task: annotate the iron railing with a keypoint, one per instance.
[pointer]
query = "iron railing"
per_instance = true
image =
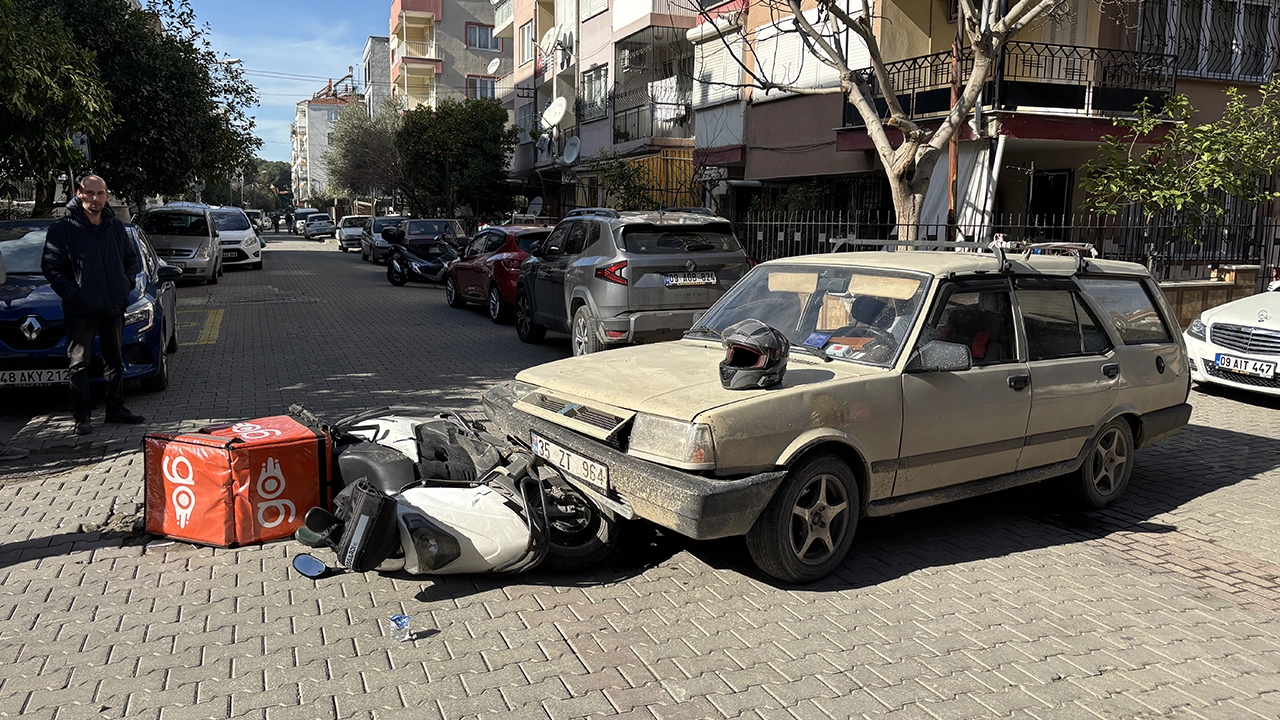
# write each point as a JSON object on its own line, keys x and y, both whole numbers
{"x": 1170, "y": 250}
{"x": 1083, "y": 80}
{"x": 639, "y": 114}
{"x": 503, "y": 13}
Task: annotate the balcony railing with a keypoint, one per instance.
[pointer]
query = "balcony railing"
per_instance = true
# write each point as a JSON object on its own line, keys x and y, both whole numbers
{"x": 640, "y": 114}
{"x": 1059, "y": 78}
{"x": 503, "y": 13}
{"x": 415, "y": 50}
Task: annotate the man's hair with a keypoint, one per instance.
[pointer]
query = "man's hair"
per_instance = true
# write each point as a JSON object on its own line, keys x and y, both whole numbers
{"x": 83, "y": 178}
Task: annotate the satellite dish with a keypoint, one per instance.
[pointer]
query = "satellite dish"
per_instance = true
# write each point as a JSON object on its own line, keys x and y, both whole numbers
{"x": 494, "y": 64}
{"x": 549, "y": 40}
{"x": 571, "y": 150}
{"x": 554, "y": 113}
{"x": 535, "y": 207}
{"x": 543, "y": 143}
{"x": 566, "y": 41}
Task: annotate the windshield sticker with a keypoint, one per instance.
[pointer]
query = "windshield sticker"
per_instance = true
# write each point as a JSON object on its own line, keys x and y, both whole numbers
{"x": 817, "y": 339}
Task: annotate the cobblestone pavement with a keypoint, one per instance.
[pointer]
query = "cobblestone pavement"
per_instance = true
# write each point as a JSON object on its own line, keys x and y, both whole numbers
{"x": 1166, "y": 606}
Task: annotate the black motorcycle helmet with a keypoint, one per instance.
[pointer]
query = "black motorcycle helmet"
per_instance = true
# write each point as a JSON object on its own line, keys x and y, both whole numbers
{"x": 755, "y": 356}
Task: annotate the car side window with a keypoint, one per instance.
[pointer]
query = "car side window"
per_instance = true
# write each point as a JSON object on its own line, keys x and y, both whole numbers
{"x": 149, "y": 259}
{"x": 368, "y": 226}
{"x": 981, "y": 321}
{"x": 477, "y": 246}
{"x": 1128, "y": 306}
{"x": 577, "y": 241}
{"x": 555, "y": 242}
{"x": 1058, "y": 325}
{"x": 594, "y": 236}
{"x": 495, "y": 241}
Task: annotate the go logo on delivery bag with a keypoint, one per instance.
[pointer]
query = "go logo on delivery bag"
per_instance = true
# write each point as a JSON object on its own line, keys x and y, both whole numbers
{"x": 269, "y": 488}
{"x": 177, "y": 471}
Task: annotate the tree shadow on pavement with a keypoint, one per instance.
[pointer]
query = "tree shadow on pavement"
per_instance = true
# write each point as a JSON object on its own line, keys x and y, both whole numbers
{"x": 1195, "y": 463}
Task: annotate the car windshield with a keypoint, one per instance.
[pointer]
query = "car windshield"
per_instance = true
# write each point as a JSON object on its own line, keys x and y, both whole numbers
{"x": 665, "y": 240}
{"x": 163, "y": 223}
{"x": 353, "y": 221}
{"x": 850, "y": 313}
{"x": 231, "y": 220}
{"x": 382, "y": 223}
{"x": 22, "y": 248}
{"x": 526, "y": 240}
{"x": 420, "y": 228}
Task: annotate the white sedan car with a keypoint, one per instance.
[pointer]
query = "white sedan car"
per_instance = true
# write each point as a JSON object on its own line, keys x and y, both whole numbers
{"x": 1238, "y": 344}
{"x": 319, "y": 226}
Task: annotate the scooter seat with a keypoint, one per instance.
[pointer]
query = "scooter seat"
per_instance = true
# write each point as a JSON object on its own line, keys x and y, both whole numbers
{"x": 386, "y": 469}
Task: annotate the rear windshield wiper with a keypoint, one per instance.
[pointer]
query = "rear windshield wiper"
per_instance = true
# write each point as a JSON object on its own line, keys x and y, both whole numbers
{"x": 702, "y": 331}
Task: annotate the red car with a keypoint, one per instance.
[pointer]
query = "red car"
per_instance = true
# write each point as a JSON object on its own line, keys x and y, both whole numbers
{"x": 489, "y": 266}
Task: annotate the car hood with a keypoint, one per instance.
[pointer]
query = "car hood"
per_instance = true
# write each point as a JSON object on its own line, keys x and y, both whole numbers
{"x": 177, "y": 242}
{"x": 235, "y": 237}
{"x": 679, "y": 379}
{"x": 23, "y": 295}
{"x": 1249, "y": 311}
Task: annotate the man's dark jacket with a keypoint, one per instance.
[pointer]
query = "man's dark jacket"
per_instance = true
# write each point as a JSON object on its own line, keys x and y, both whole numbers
{"x": 91, "y": 267}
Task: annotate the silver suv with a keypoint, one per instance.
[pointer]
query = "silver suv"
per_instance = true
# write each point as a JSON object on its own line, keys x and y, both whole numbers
{"x": 620, "y": 278}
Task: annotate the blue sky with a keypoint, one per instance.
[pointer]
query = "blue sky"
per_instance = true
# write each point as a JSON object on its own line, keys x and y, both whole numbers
{"x": 313, "y": 38}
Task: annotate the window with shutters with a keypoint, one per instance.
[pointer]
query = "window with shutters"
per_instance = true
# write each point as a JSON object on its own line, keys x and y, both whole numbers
{"x": 591, "y": 8}
{"x": 1224, "y": 39}
{"x": 782, "y": 57}
{"x": 717, "y": 76}
{"x": 595, "y": 94}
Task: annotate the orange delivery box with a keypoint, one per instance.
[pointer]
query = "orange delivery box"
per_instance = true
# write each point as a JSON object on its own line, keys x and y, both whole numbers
{"x": 238, "y": 484}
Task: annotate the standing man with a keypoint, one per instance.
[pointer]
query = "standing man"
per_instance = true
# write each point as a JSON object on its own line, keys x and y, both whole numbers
{"x": 91, "y": 263}
{"x": 288, "y": 222}
{"x": 6, "y": 452}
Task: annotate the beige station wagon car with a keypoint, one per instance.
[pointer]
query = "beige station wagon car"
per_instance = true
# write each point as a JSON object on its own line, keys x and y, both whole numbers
{"x": 915, "y": 378}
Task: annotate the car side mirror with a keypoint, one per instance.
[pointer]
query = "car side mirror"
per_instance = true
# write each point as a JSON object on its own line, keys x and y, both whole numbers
{"x": 939, "y": 356}
{"x": 168, "y": 272}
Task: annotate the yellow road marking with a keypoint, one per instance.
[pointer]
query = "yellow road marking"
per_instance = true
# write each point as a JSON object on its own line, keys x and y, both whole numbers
{"x": 209, "y": 325}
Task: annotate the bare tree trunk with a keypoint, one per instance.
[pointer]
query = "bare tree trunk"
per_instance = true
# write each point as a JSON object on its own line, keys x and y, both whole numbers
{"x": 45, "y": 192}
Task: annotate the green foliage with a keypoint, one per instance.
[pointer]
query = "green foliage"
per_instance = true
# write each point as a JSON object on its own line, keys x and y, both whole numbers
{"x": 362, "y": 155}
{"x": 1189, "y": 168}
{"x": 182, "y": 110}
{"x": 626, "y": 185}
{"x": 276, "y": 174}
{"x": 457, "y": 152}
{"x": 49, "y": 88}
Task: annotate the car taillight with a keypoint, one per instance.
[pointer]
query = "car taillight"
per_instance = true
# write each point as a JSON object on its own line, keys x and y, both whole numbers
{"x": 612, "y": 273}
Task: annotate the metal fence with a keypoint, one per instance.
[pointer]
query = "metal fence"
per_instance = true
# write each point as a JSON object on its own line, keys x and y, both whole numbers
{"x": 1171, "y": 251}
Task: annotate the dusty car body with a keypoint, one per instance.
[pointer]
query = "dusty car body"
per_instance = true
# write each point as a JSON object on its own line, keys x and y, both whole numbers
{"x": 914, "y": 379}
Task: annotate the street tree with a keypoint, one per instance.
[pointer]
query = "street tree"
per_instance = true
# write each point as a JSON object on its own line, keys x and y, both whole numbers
{"x": 182, "y": 109}
{"x": 624, "y": 185}
{"x": 49, "y": 89}
{"x": 455, "y": 155}
{"x": 1167, "y": 165}
{"x": 908, "y": 150}
{"x": 363, "y": 158}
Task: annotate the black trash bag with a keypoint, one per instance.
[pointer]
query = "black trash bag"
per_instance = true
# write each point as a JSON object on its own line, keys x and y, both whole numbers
{"x": 369, "y": 533}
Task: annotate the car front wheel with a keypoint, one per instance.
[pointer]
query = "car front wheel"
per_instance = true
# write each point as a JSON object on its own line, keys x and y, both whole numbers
{"x": 500, "y": 310}
{"x": 526, "y": 329}
{"x": 451, "y": 295}
{"x": 805, "y": 531}
{"x": 1103, "y": 477}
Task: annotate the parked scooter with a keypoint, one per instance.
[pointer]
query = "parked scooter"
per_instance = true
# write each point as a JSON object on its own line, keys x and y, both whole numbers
{"x": 435, "y": 493}
{"x": 418, "y": 259}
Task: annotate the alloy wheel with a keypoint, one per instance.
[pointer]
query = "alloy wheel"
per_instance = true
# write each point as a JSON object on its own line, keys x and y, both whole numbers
{"x": 819, "y": 519}
{"x": 580, "y": 339}
{"x": 495, "y": 303}
{"x": 1110, "y": 456}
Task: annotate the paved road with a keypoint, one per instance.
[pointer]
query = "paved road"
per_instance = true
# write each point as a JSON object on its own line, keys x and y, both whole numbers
{"x": 1165, "y": 606}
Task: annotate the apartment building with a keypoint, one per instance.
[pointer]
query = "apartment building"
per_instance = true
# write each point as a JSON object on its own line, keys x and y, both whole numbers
{"x": 444, "y": 49}
{"x": 624, "y": 69}
{"x": 311, "y": 133}
{"x": 1052, "y": 97}
{"x": 376, "y": 76}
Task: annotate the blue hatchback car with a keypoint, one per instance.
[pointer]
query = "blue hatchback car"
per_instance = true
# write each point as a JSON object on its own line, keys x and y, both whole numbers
{"x": 33, "y": 342}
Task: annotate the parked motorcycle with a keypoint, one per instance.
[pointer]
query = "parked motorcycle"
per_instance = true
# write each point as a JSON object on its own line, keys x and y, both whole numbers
{"x": 418, "y": 258}
{"x": 435, "y": 493}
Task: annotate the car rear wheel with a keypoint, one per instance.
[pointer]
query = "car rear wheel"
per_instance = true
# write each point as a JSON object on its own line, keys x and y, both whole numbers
{"x": 1103, "y": 477}
{"x": 585, "y": 339}
{"x": 805, "y": 531}
{"x": 451, "y": 295}
{"x": 500, "y": 310}
{"x": 526, "y": 329}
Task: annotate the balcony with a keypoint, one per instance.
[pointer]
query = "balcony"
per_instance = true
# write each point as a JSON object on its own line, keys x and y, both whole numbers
{"x": 503, "y": 15}
{"x": 648, "y": 113}
{"x": 1057, "y": 79}
{"x": 414, "y": 50}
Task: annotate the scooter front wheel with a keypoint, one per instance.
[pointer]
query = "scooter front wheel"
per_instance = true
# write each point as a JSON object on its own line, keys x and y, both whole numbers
{"x": 395, "y": 275}
{"x": 580, "y": 533}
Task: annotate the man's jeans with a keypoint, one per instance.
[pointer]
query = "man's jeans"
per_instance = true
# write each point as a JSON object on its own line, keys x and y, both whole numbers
{"x": 80, "y": 333}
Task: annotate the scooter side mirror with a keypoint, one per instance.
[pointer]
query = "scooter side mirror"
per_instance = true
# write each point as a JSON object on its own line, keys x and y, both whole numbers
{"x": 309, "y": 566}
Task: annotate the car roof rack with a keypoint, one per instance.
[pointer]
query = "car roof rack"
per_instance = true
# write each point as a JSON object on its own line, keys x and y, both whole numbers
{"x": 694, "y": 210}
{"x": 598, "y": 211}
{"x": 1001, "y": 248}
